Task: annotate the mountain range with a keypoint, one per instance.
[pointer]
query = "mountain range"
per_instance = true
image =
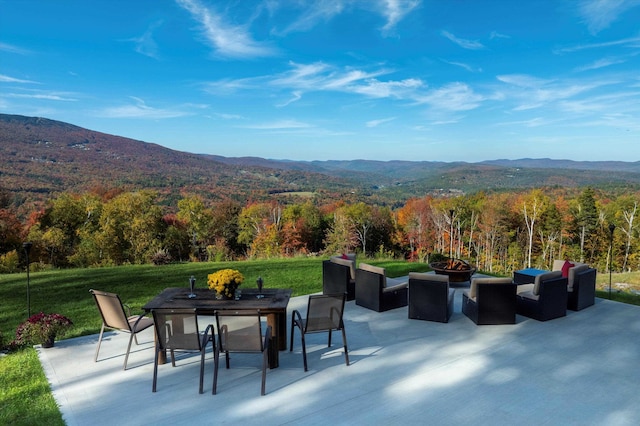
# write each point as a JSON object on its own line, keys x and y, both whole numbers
{"x": 42, "y": 157}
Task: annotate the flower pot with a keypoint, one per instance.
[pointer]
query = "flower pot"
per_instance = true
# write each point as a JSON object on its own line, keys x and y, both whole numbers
{"x": 49, "y": 341}
{"x": 224, "y": 296}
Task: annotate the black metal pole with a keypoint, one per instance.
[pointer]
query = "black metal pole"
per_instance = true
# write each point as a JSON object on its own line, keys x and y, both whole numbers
{"x": 27, "y": 248}
{"x": 612, "y": 228}
{"x": 451, "y": 212}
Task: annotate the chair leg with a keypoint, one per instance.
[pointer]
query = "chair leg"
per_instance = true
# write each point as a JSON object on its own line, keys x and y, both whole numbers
{"x": 293, "y": 325}
{"x": 155, "y": 369}
{"x": 216, "y": 358}
{"x": 226, "y": 354}
{"x": 344, "y": 342}
{"x": 126, "y": 356}
{"x": 329, "y": 342}
{"x": 95, "y": 359}
{"x": 265, "y": 363}
{"x": 202, "y": 352}
{"x": 304, "y": 351}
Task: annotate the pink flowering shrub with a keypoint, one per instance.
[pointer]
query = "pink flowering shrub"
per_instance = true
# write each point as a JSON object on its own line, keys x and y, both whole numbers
{"x": 41, "y": 327}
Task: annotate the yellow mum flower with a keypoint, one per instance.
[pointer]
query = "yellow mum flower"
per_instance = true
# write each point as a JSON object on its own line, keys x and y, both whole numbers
{"x": 225, "y": 281}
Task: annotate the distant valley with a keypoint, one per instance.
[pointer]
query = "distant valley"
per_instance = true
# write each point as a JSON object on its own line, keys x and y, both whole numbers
{"x": 42, "y": 157}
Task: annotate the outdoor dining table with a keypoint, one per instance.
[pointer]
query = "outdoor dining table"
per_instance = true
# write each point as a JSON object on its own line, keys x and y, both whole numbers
{"x": 272, "y": 305}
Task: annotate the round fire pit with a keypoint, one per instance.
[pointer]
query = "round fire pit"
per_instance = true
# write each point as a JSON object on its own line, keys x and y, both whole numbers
{"x": 457, "y": 270}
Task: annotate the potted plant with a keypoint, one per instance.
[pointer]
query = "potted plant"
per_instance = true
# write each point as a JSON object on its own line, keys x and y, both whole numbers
{"x": 42, "y": 329}
{"x": 225, "y": 282}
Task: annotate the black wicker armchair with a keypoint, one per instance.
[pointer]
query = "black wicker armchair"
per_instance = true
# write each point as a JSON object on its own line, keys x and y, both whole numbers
{"x": 377, "y": 292}
{"x": 338, "y": 276}
{"x": 430, "y": 297}
{"x": 490, "y": 301}
{"x": 582, "y": 291}
{"x": 545, "y": 299}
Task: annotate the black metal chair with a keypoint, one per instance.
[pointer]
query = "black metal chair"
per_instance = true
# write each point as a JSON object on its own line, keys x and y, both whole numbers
{"x": 113, "y": 314}
{"x": 241, "y": 332}
{"x": 430, "y": 297}
{"x": 490, "y": 301}
{"x": 324, "y": 314}
{"x": 177, "y": 330}
{"x": 545, "y": 299}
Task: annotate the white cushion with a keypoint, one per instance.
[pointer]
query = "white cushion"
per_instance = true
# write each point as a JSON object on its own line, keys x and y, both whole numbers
{"x": 529, "y": 295}
{"x": 468, "y": 294}
{"x": 557, "y": 264}
{"x": 544, "y": 277}
{"x": 395, "y": 285}
{"x": 428, "y": 277}
{"x": 487, "y": 280}
{"x": 397, "y": 282}
{"x": 522, "y": 288}
{"x": 371, "y": 268}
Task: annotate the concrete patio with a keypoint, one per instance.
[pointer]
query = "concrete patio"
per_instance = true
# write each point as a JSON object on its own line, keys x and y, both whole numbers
{"x": 578, "y": 370}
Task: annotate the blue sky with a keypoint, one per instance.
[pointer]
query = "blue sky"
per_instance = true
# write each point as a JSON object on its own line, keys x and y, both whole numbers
{"x": 441, "y": 80}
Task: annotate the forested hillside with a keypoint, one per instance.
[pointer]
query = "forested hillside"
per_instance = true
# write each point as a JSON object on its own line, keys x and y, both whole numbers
{"x": 88, "y": 199}
{"x": 42, "y": 157}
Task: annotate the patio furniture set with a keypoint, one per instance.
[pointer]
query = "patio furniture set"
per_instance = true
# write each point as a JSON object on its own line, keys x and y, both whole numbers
{"x": 236, "y": 325}
{"x": 538, "y": 294}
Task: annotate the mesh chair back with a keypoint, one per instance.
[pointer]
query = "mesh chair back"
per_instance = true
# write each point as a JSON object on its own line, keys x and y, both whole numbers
{"x": 324, "y": 312}
{"x": 240, "y": 331}
{"x": 111, "y": 310}
{"x": 177, "y": 329}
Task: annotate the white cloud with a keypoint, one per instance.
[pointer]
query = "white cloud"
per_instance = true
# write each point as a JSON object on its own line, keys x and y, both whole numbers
{"x": 7, "y": 79}
{"x": 279, "y": 125}
{"x": 495, "y": 34}
{"x": 145, "y": 44}
{"x": 296, "y": 95}
{"x": 314, "y": 12}
{"x": 226, "y": 116}
{"x": 601, "y": 63}
{"x": 42, "y": 96}
{"x": 234, "y": 41}
{"x": 453, "y": 97}
{"x": 321, "y": 77}
{"x": 461, "y": 65}
{"x": 599, "y": 14}
{"x": 141, "y": 110}
{"x": 376, "y": 123}
{"x": 522, "y": 80}
{"x": 395, "y": 10}
{"x": 319, "y": 11}
{"x": 13, "y": 49}
{"x": 465, "y": 44}
{"x": 631, "y": 41}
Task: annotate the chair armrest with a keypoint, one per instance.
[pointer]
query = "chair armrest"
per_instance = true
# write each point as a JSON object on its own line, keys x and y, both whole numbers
{"x": 397, "y": 282}
{"x": 395, "y": 287}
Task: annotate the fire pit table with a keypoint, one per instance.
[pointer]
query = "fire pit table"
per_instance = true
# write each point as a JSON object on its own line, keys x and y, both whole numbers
{"x": 457, "y": 270}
